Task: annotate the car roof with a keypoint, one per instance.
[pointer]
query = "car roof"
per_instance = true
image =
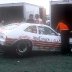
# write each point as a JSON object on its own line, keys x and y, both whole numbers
{"x": 30, "y": 24}
{"x": 23, "y": 24}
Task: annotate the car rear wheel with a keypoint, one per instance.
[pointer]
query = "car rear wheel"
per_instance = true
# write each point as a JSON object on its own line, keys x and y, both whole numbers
{"x": 23, "y": 48}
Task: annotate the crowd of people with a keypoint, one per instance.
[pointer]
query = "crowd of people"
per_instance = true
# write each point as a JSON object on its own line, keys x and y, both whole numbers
{"x": 32, "y": 19}
{"x": 37, "y": 19}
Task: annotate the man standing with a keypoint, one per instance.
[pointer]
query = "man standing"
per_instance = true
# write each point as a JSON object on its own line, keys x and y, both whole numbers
{"x": 2, "y": 23}
{"x": 30, "y": 20}
{"x": 64, "y": 30}
{"x": 38, "y": 20}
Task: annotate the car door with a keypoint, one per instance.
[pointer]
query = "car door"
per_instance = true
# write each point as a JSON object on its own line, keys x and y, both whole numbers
{"x": 32, "y": 34}
{"x": 48, "y": 37}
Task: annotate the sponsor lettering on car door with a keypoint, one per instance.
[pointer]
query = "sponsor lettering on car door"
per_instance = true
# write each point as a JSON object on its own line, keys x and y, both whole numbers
{"x": 48, "y": 38}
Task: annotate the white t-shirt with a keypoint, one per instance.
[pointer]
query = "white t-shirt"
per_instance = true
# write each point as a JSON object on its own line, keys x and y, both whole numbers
{"x": 39, "y": 20}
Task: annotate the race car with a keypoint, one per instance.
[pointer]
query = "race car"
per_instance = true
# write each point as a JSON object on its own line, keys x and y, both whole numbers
{"x": 22, "y": 38}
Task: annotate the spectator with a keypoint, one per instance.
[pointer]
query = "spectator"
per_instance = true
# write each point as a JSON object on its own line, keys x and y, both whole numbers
{"x": 2, "y": 23}
{"x": 48, "y": 22}
{"x": 38, "y": 19}
{"x": 64, "y": 30}
{"x": 30, "y": 20}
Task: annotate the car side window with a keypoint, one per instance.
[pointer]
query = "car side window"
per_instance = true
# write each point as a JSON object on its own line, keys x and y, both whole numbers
{"x": 31, "y": 29}
{"x": 46, "y": 31}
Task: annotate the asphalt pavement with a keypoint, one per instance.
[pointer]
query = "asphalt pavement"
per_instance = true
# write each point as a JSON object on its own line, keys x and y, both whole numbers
{"x": 37, "y": 61}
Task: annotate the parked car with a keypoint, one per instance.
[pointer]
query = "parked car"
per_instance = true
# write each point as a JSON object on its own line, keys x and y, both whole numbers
{"x": 22, "y": 38}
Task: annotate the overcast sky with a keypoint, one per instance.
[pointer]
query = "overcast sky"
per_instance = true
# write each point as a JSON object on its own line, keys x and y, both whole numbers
{"x": 44, "y": 3}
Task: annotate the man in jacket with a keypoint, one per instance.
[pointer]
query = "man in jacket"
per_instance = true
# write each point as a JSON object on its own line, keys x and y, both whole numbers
{"x": 64, "y": 30}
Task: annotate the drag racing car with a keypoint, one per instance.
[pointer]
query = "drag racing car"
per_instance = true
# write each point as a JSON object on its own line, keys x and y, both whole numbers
{"x": 22, "y": 38}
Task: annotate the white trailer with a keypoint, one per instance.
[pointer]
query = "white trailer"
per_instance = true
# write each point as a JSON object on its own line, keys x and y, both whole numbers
{"x": 30, "y": 9}
{"x": 18, "y": 11}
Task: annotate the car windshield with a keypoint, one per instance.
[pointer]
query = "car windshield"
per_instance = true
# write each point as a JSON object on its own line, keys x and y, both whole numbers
{"x": 10, "y": 26}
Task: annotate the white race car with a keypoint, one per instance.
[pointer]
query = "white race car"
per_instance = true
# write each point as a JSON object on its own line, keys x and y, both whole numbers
{"x": 22, "y": 38}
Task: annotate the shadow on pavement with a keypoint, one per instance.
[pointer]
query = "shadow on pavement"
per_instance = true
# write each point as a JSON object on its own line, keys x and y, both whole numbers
{"x": 36, "y": 54}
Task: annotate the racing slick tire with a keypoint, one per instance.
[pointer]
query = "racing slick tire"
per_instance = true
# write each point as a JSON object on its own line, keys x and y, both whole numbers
{"x": 23, "y": 47}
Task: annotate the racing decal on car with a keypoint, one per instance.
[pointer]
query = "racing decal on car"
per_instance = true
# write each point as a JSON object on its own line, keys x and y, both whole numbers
{"x": 45, "y": 42}
{"x": 40, "y": 39}
{"x": 10, "y": 41}
{"x": 45, "y": 39}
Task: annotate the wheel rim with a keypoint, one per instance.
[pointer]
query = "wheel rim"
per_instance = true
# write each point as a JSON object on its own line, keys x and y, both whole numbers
{"x": 21, "y": 49}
